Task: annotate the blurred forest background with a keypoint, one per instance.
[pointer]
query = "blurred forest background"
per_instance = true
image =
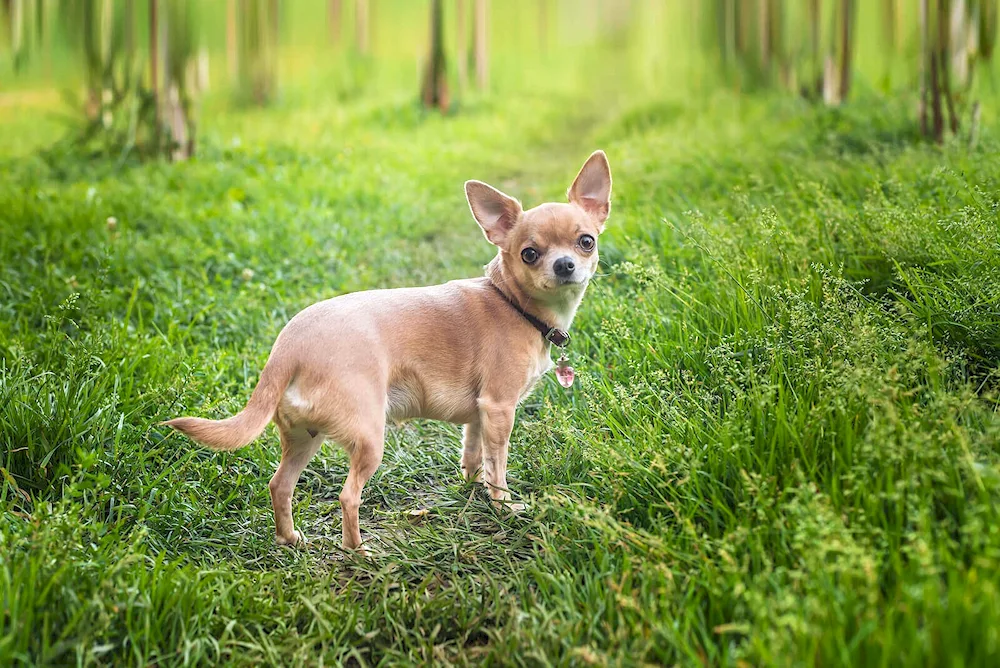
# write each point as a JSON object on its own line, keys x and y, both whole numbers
{"x": 138, "y": 70}
{"x": 784, "y": 445}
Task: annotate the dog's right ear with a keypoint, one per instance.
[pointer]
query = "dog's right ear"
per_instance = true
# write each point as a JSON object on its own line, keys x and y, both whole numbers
{"x": 495, "y": 212}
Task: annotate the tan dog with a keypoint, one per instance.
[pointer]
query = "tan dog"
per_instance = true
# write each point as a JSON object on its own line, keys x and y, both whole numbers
{"x": 467, "y": 351}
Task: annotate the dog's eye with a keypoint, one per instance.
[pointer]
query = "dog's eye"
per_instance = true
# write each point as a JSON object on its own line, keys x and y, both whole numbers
{"x": 586, "y": 242}
{"x": 529, "y": 255}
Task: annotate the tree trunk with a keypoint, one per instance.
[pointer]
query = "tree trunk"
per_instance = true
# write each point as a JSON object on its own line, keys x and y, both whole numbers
{"x": 361, "y": 26}
{"x": 764, "y": 26}
{"x": 944, "y": 66}
{"x": 128, "y": 26}
{"x": 462, "y": 35}
{"x": 846, "y": 46}
{"x": 274, "y": 17}
{"x": 543, "y": 25}
{"x": 177, "y": 122}
{"x": 728, "y": 29}
{"x": 924, "y": 65}
{"x": 106, "y": 26}
{"x": 257, "y": 36}
{"x": 163, "y": 57}
{"x": 974, "y": 125}
{"x": 46, "y": 19}
{"x": 482, "y": 45}
{"x": 154, "y": 59}
{"x": 936, "y": 112}
{"x": 435, "y": 87}
{"x": 815, "y": 79}
{"x": 232, "y": 50}
{"x": 889, "y": 24}
{"x": 92, "y": 56}
{"x": 171, "y": 112}
{"x": 987, "y": 28}
{"x": 831, "y": 87}
{"x": 17, "y": 31}
{"x": 179, "y": 77}
{"x": 959, "y": 46}
{"x": 334, "y": 13}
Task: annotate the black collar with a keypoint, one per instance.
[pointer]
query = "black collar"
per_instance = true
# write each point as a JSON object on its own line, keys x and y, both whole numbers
{"x": 554, "y": 335}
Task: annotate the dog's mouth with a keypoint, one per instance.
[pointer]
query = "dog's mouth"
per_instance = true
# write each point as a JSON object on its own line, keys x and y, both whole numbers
{"x": 557, "y": 282}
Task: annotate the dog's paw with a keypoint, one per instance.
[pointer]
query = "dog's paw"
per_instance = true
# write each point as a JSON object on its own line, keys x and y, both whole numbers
{"x": 356, "y": 550}
{"x": 509, "y": 506}
{"x": 472, "y": 475}
{"x": 291, "y": 541}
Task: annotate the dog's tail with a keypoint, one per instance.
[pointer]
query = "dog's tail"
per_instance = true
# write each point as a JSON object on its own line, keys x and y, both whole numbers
{"x": 239, "y": 430}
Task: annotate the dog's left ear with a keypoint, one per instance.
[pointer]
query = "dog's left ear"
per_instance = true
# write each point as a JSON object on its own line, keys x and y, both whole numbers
{"x": 591, "y": 191}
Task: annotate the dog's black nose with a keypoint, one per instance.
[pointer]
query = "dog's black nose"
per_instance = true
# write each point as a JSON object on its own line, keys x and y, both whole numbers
{"x": 564, "y": 267}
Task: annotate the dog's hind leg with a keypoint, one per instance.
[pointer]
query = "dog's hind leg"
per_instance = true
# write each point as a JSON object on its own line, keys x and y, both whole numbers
{"x": 298, "y": 445}
{"x": 350, "y": 408}
{"x": 366, "y": 451}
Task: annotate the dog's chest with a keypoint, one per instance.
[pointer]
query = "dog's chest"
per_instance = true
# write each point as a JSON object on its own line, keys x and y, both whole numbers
{"x": 542, "y": 365}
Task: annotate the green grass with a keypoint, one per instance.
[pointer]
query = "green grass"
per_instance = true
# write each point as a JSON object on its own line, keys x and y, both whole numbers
{"x": 783, "y": 448}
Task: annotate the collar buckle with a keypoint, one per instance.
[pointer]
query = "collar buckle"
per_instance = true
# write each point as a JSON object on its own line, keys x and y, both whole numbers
{"x": 557, "y": 337}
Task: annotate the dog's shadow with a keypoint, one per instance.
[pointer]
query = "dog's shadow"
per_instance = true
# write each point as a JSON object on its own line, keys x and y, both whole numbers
{"x": 415, "y": 509}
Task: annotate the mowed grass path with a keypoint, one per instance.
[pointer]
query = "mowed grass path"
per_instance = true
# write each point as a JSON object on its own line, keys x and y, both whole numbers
{"x": 783, "y": 448}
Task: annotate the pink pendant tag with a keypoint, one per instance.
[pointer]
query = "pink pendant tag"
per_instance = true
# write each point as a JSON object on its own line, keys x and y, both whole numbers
{"x": 564, "y": 372}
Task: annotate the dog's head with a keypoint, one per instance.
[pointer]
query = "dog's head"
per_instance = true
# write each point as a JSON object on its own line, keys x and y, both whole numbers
{"x": 550, "y": 250}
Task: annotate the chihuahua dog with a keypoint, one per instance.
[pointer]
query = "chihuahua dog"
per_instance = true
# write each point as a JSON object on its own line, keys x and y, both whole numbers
{"x": 466, "y": 352}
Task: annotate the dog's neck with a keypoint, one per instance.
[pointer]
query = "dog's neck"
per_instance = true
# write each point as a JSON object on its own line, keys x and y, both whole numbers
{"x": 555, "y": 313}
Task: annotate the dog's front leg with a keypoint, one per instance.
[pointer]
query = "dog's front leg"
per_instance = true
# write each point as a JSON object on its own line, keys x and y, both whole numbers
{"x": 472, "y": 451}
{"x": 496, "y": 420}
